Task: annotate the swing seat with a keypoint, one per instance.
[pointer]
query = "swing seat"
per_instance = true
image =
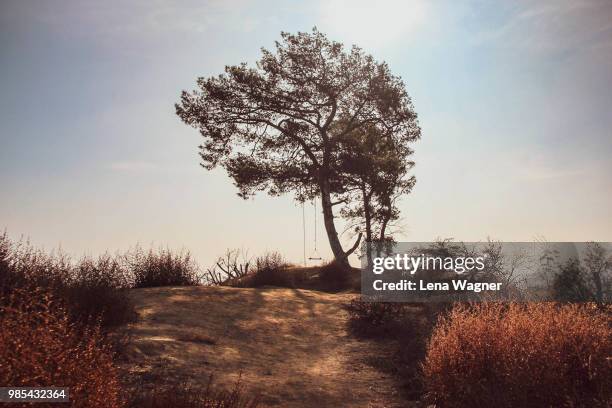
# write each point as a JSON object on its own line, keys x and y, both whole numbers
{"x": 315, "y": 256}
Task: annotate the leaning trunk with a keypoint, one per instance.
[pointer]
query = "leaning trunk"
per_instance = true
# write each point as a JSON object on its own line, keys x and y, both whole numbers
{"x": 330, "y": 227}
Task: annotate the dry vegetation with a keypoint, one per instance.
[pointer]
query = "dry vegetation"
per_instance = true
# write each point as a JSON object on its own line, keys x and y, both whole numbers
{"x": 403, "y": 328}
{"x": 39, "y": 346}
{"x": 235, "y": 268}
{"x": 484, "y": 355}
{"x": 92, "y": 290}
{"x": 292, "y": 347}
{"x": 281, "y": 336}
{"x": 162, "y": 268}
{"x": 189, "y": 395}
{"x": 520, "y": 355}
{"x": 58, "y": 321}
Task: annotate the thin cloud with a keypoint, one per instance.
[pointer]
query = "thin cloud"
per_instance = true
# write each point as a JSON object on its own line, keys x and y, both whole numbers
{"x": 556, "y": 26}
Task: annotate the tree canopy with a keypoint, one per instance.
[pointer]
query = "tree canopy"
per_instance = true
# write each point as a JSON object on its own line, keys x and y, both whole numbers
{"x": 315, "y": 120}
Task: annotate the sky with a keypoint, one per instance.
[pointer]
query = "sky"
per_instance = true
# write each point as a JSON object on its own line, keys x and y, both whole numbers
{"x": 514, "y": 101}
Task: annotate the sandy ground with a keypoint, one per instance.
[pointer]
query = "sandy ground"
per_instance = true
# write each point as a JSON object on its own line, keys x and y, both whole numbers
{"x": 290, "y": 346}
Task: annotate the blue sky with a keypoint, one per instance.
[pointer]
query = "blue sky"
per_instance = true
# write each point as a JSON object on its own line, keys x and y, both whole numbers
{"x": 514, "y": 99}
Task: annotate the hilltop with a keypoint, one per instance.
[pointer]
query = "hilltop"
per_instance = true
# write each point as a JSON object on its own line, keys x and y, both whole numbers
{"x": 291, "y": 346}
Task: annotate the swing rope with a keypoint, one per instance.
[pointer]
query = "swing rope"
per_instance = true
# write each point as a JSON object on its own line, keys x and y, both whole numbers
{"x": 304, "y": 232}
{"x": 315, "y": 255}
{"x": 314, "y": 203}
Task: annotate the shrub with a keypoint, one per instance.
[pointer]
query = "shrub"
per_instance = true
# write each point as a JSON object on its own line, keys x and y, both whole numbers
{"x": 90, "y": 289}
{"x": 404, "y": 329}
{"x": 270, "y": 269}
{"x": 26, "y": 267}
{"x": 269, "y": 276}
{"x": 39, "y": 346}
{"x": 335, "y": 276}
{"x": 569, "y": 284}
{"x": 184, "y": 395}
{"x": 229, "y": 269}
{"x": 162, "y": 268}
{"x": 5, "y": 253}
{"x": 271, "y": 260}
{"x": 366, "y": 315}
{"x": 96, "y": 292}
{"x": 531, "y": 355}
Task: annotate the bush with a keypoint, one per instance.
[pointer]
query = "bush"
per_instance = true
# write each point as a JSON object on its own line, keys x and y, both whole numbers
{"x": 271, "y": 260}
{"x": 229, "y": 268}
{"x": 5, "y": 253}
{"x": 97, "y": 292}
{"x": 184, "y": 395}
{"x": 335, "y": 276}
{"x": 569, "y": 284}
{"x": 25, "y": 267}
{"x": 404, "y": 329}
{"x": 39, "y": 346}
{"x": 269, "y": 276}
{"x": 162, "y": 268}
{"x": 91, "y": 290}
{"x": 371, "y": 316}
{"x": 270, "y": 269}
{"x": 531, "y": 355}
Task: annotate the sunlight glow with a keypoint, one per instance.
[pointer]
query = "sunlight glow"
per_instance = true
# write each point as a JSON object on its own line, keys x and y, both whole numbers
{"x": 373, "y": 24}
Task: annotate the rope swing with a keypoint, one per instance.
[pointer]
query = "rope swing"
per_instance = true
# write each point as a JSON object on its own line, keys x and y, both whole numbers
{"x": 304, "y": 232}
{"x": 315, "y": 254}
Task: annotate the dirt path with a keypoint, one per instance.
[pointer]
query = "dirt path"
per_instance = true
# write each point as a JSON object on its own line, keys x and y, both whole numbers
{"x": 291, "y": 346}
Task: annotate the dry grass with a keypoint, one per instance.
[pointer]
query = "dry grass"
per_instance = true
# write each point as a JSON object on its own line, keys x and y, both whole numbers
{"x": 269, "y": 269}
{"x": 92, "y": 290}
{"x": 291, "y": 346}
{"x": 39, "y": 346}
{"x": 52, "y": 311}
{"x": 370, "y": 316}
{"x": 162, "y": 268}
{"x": 531, "y": 355}
{"x": 404, "y": 329}
{"x": 321, "y": 278}
{"x": 188, "y": 395}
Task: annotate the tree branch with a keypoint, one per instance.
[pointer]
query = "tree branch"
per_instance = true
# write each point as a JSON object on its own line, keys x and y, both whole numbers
{"x": 354, "y": 247}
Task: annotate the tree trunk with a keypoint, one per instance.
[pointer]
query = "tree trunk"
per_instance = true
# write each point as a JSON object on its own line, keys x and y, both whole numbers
{"x": 366, "y": 212}
{"x": 368, "y": 222}
{"x": 330, "y": 227}
{"x": 383, "y": 228}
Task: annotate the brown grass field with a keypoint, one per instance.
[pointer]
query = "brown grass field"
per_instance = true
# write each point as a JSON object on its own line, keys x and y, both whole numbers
{"x": 290, "y": 346}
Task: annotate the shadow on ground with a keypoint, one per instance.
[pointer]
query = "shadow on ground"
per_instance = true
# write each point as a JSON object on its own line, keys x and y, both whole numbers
{"x": 291, "y": 346}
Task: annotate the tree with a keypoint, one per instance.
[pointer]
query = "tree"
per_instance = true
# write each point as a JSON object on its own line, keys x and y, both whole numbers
{"x": 599, "y": 271}
{"x": 283, "y": 126}
{"x": 374, "y": 174}
{"x": 570, "y": 285}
